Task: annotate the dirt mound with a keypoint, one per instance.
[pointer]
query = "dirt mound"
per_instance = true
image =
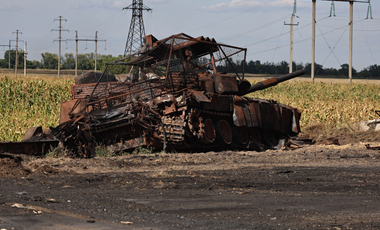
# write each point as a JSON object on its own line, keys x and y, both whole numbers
{"x": 343, "y": 136}
{"x": 12, "y": 166}
{"x": 43, "y": 168}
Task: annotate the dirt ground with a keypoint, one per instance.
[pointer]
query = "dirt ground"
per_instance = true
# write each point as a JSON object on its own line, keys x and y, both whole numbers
{"x": 333, "y": 184}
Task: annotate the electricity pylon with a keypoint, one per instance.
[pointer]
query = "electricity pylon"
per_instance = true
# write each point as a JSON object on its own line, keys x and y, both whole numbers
{"x": 136, "y": 32}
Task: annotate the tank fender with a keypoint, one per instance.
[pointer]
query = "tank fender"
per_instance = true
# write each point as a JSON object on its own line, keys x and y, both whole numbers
{"x": 199, "y": 96}
{"x": 238, "y": 115}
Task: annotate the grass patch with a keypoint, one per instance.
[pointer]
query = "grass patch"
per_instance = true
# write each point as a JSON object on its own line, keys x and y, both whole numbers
{"x": 143, "y": 150}
{"x": 55, "y": 152}
{"x": 103, "y": 151}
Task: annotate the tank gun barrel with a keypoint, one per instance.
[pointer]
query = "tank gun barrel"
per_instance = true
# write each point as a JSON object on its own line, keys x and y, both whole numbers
{"x": 273, "y": 81}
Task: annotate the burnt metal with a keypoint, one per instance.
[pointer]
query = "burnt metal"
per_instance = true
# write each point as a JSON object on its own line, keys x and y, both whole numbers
{"x": 171, "y": 97}
{"x": 28, "y": 147}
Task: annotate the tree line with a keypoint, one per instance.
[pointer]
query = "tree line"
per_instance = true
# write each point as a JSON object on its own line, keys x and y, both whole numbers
{"x": 87, "y": 62}
{"x": 257, "y": 67}
{"x": 50, "y": 61}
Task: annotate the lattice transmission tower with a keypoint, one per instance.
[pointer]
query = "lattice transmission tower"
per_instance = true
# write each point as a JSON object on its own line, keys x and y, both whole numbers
{"x": 136, "y": 32}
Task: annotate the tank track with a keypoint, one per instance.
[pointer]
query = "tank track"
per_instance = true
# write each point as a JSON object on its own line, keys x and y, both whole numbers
{"x": 178, "y": 132}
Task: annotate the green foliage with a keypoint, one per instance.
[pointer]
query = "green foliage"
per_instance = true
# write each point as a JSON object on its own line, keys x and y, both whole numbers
{"x": 29, "y": 102}
{"x": 142, "y": 150}
{"x": 103, "y": 151}
{"x": 55, "y": 153}
{"x": 116, "y": 69}
{"x": 4, "y": 62}
{"x": 49, "y": 60}
{"x": 68, "y": 61}
{"x": 372, "y": 71}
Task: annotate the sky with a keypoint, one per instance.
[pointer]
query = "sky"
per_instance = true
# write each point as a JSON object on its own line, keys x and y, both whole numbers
{"x": 258, "y": 25}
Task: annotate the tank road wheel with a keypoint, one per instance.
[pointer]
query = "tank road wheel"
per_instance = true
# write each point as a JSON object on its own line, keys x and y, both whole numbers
{"x": 223, "y": 132}
{"x": 240, "y": 135}
{"x": 209, "y": 133}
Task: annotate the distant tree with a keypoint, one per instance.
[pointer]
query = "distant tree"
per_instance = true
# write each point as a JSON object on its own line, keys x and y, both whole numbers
{"x": 3, "y": 63}
{"x": 115, "y": 69}
{"x": 33, "y": 64}
{"x": 258, "y": 67}
{"x": 344, "y": 69}
{"x": 331, "y": 72}
{"x": 283, "y": 67}
{"x": 49, "y": 61}
{"x": 20, "y": 55}
{"x": 318, "y": 69}
{"x": 372, "y": 71}
{"x": 250, "y": 68}
{"x": 86, "y": 61}
{"x": 68, "y": 61}
{"x": 297, "y": 66}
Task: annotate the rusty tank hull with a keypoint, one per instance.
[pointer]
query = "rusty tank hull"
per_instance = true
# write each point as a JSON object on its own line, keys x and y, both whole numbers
{"x": 173, "y": 98}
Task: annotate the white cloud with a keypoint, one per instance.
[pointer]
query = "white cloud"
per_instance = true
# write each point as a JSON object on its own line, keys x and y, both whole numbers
{"x": 244, "y": 4}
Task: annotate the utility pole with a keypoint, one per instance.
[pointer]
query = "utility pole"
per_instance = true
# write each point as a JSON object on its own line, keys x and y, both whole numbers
{"x": 96, "y": 47}
{"x": 351, "y": 37}
{"x": 313, "y": 43}
{"x": 291, "y": 37}
{"x": 136, "y": 32}
{"x": 9, "y": 55}
{"x": 59, "y": 40}
{"x": 25, "y": 59}
{"x": 351, "y": 24}
{"x": 85, "y": 40}
{"x": 16, "y": 59}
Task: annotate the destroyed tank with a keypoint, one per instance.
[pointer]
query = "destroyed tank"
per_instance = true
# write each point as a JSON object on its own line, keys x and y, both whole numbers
{"x": 172, "y": 97}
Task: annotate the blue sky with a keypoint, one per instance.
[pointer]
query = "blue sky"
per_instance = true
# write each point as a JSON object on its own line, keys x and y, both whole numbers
{"x": 255, "y": 24}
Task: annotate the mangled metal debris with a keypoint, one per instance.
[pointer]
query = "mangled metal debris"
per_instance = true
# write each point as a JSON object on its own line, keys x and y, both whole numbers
{"x": 373, "y": 125}
{"x": 172, "y": 97}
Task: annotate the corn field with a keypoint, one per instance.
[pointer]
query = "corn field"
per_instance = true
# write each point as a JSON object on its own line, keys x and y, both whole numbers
{"x": 331, "y": 104}
{"x": 35, "y": 101}
{"x": 31, "y": 101}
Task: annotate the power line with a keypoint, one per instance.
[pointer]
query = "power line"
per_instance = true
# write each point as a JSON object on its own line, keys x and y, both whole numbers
{"x": 107, "y": 19}
{"x": 331, "y": 49}
{"x": 86, "y": 40}
{"x": 299, "y": 41}
{"x": 365, "y": 37}
{"x": 231, "y": 16}
{"x": 254, "y": 29}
